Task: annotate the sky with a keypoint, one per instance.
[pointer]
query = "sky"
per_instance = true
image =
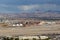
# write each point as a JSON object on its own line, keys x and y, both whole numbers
{"x": 18, "y": 6}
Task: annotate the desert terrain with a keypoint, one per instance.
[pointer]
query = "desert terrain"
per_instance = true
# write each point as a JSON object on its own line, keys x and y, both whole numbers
{"x": 32, "y": 30}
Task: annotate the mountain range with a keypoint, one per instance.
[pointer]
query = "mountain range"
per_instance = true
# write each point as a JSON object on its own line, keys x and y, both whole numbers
{"x": 47, "y": 14}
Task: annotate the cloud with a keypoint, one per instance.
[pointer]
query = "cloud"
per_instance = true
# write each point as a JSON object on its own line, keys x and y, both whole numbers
{"x": 4, "y": 8}
{"x": 39, "y": 7}
{"x": 27, "y": 7}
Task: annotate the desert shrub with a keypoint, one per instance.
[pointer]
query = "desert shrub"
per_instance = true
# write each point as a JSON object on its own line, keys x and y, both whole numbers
{"x": 46, "y": 39}
{"x": 26, "y": 39}
{"x": 11, "y": 38}
{"x": 7, "y": 38}
{"x": 16, "y": 38}
{"x": 34, "y": 38}
{"x": 4, "y": 38}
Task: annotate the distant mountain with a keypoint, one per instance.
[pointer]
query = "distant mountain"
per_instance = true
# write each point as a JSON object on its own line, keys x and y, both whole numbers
{"x": 45, "y": 15}
{"x": 53, "y": 11}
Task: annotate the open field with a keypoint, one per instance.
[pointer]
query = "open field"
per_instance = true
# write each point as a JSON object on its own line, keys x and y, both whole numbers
{"x": 33, "y": 30}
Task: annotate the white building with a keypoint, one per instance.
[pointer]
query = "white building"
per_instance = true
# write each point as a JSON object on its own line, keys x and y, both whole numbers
{"x": 43, "y": 37}
{"x": 28, "y": 37}
{"x": 18, "y": 25}
{"x": 32, "y": 37}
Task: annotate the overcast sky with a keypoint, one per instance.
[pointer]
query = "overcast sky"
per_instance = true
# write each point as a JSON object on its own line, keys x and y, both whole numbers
{"x": 17, "y": 6}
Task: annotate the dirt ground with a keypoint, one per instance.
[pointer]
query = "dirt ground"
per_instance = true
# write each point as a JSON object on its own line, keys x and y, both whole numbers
{"x": 30, "y": 30}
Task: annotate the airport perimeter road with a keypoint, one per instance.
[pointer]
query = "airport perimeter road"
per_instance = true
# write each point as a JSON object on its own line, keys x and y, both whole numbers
{"x": 33, "y": 30}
